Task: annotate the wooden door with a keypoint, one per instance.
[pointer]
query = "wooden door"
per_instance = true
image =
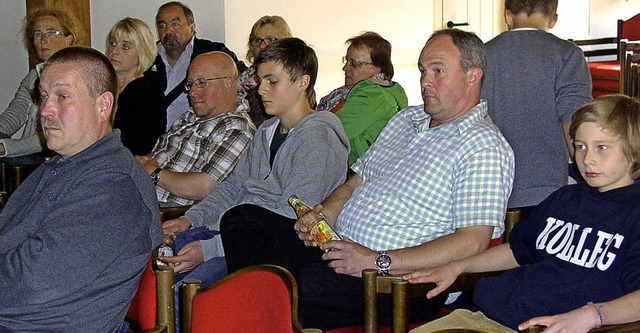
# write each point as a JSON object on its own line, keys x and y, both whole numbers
{"x": 80, "y": 11}
{"x": 483, "y": 17}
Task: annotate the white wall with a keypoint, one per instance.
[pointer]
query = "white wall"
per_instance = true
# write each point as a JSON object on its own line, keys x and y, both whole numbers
{"x": 605, "y": 14}
{"x": 328, "y": 24}
{"x": 208, "y": 14}
{"x": 14, "y": 61}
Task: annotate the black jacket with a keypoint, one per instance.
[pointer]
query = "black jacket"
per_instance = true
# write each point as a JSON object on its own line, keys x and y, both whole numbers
{"x": 158, "y": 70}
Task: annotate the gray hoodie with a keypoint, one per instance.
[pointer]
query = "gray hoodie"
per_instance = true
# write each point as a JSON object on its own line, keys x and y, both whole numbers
{"x": 310, "y": 163}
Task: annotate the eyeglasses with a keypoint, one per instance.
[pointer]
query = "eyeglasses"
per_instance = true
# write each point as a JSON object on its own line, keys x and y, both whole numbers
{"x": 353, "y": 63}
{"x": 49, "y": 34}
{"x": 200, "y": 82}
{"x": 266, "y": 41}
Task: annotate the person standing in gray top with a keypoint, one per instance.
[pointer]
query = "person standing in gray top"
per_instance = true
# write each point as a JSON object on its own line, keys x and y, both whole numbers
{"x": 76, "y": 235}
{"x": 533, "y": 84}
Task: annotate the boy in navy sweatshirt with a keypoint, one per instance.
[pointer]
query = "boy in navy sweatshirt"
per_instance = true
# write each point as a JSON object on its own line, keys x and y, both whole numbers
{"x": 578, "y": 251}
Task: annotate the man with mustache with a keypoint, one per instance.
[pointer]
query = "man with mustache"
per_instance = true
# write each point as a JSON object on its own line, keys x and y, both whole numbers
{"x": 77, "y": 234}
{"x": 205, "y": 143}
{"x": 432, "y": 188}
{"x": 177, "y": 47}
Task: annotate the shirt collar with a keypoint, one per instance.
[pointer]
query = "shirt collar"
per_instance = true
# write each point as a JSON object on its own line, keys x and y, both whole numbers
{"x": 420, "y": 119}
{"x": 188, "y": 51}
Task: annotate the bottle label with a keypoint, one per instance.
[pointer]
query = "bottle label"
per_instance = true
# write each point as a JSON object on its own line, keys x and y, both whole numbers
{"x": 322, "y": 233}
{"x": 165, "y": 251}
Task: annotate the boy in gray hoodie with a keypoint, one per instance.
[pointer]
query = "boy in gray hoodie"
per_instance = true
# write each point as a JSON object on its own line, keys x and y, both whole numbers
{"x": 298, "y": 151}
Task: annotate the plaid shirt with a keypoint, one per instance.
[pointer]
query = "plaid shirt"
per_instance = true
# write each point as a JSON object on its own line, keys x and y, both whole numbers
{"x": 421, "y": 183}
{"x": 212, "y": 146}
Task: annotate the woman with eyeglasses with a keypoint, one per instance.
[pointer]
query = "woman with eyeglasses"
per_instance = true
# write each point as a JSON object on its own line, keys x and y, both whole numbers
{"x": 368, "y": 98}
{"x": 265, "y": 31}
{"x": 142, "y": 112}
{"x": 44, "y": 32}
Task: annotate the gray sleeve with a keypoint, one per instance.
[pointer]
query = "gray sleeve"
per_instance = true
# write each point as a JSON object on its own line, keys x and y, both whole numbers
{"x": 23, "y": 146}
{"x": 17, "y": 113}
{"x": 573, "y": 85}
{"x": 212, "y": 248}
{"x": 207, "y": 212}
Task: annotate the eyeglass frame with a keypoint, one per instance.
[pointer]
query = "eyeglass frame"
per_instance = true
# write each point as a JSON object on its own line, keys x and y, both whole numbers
{"x": 202, "y": 82}
{"x": 37, "y": 35}
{"x": 353, "y": 63}
{"x": 267, "y": 41}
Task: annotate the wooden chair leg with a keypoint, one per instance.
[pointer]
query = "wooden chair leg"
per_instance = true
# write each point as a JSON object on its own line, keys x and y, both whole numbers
{"x": 189, "y": 289}
{"x": 165, "y": 297}
{"x": 400, "y": 305}
{"x": 513, "y": 216}
{"x": 370, "y": 290}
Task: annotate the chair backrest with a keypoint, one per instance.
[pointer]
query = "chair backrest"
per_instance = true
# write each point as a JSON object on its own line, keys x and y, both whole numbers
{"x": 152, "y": 307}
{"x": 629, "y": 29}
{"x": 168, "y": 213}
{"x": 629, "y": 56}
{"x": 597, "y": 47}
{"x": 261, "y": 298}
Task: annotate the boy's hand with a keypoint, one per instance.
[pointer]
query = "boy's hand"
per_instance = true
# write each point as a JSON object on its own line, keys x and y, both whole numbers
{"x": 187, "y": 259}
{"x": 176, "y": 226}
{"x": 442, "y": 276}
{"x": 304, "y": 224}
{"x": 580, "y": 320}
{"x": 347, "y": 257}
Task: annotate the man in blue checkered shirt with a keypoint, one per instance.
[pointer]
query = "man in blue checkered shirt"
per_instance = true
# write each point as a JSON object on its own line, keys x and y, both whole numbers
{"x": 433, "y": 188}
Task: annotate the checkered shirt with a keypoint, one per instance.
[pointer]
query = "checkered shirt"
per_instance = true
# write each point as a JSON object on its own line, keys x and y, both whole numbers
{"x": 421, "y": 183}
{"x": 212, "y": 146}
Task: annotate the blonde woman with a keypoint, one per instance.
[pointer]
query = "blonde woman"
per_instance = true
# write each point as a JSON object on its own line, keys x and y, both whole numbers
{"x": 265, "y": 31}
{"x": 142, "y": 112}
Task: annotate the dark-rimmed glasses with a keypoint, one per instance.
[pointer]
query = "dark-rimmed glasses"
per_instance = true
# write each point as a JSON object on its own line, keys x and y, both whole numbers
{"x": 266, "y": 41}
{"x": 49, "y": 34}
{"x": 353, "y": 63}
{"x": 200, "y": 82}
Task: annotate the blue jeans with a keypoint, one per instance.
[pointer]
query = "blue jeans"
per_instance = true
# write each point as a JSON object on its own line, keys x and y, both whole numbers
{"x": 208, "y": 272}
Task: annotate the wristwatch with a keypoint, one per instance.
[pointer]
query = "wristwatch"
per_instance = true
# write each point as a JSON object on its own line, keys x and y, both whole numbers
{"x": 155, "y": 176}
{"x": 383, "y": 262}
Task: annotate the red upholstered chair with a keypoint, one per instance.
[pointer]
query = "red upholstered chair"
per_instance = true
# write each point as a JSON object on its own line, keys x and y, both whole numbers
{"x": 261, "y": 298}
{"x": 605, "y": 74}
{"x": 152, "y": 307}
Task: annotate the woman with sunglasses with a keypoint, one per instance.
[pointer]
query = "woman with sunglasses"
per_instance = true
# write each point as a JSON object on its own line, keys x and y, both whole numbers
{"x": 368, "y": 98}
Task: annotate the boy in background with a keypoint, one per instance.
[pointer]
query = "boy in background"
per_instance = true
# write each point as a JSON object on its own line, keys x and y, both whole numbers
{"x": 533, "y": 84}
{"x": 578, "y": 252}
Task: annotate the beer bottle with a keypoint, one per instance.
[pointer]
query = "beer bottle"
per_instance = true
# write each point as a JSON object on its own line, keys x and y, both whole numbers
{"x": 321, "y": 231}
{"x": 165, "y": 250}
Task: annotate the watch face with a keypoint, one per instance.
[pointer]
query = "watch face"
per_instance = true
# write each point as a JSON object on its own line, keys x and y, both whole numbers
{"x": 383, "y": 261}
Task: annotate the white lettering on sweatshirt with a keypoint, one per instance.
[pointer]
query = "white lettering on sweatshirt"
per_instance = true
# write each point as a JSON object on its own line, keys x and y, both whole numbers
{"x": 561, "y": 239}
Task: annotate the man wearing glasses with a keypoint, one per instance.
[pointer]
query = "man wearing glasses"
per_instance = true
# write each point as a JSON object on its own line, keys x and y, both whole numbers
{"x": 177, "y": 47}
{"x": 204, "y": 144}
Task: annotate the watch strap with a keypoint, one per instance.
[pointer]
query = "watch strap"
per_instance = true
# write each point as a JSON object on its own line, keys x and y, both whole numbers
{"x": 155, "y": 176}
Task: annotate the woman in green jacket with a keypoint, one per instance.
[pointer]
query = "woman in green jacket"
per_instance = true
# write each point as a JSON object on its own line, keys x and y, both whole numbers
{"x": 368, "y": 98}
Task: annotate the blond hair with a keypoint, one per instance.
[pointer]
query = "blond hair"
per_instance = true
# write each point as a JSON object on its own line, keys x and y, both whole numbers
{"x": 618, "y": 114}
{"x": 142, "y": 38}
